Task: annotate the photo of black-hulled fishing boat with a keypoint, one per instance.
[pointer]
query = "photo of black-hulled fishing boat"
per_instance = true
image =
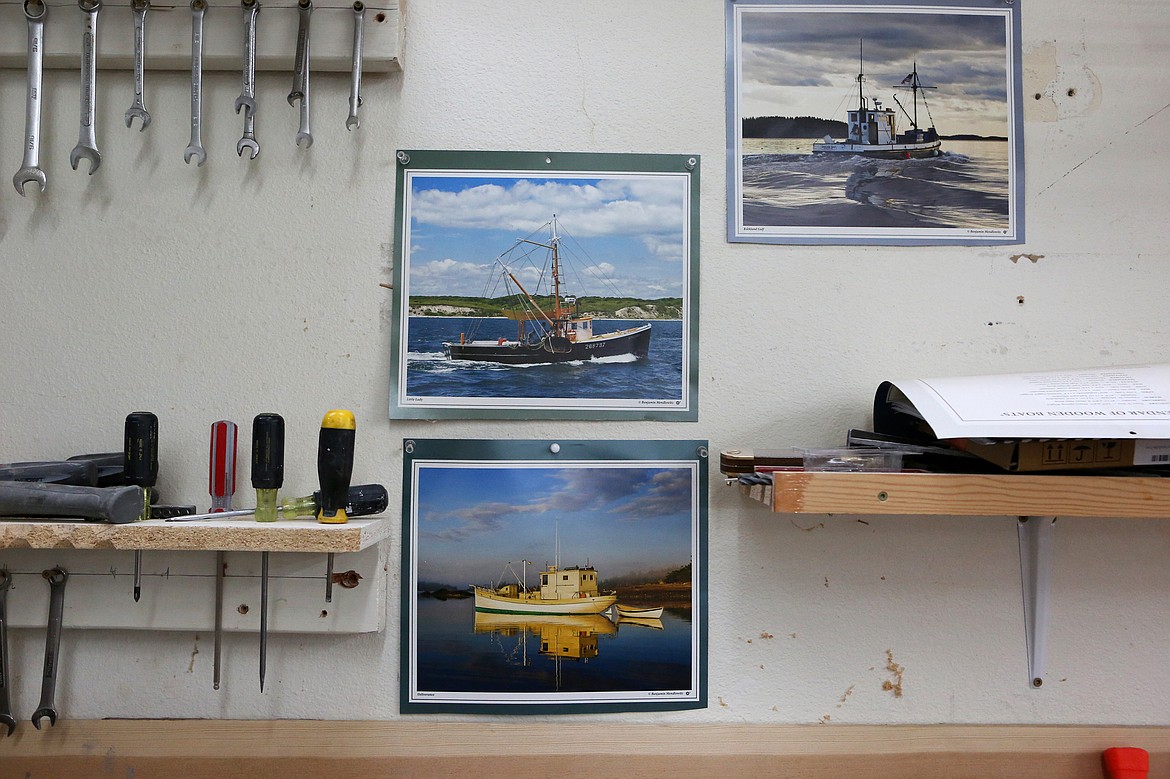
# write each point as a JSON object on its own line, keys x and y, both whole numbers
{"x": 875, "y": 123}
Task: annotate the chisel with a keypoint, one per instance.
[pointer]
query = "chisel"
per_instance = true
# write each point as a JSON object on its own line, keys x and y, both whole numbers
{"x": 141, "y": 467}
{"x": 267, "y": 478}
{"x": 221, "y": 484}
{"x": 334, "y": 469}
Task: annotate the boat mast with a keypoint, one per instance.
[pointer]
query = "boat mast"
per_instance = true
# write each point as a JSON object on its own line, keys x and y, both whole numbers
{"x": 556, "y": 271}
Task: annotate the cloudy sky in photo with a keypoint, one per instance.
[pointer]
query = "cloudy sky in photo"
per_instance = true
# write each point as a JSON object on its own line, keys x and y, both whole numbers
{"x": 628, "y": 229}
{"x": 805, "y": 63}
{"x": 473, "y": 520}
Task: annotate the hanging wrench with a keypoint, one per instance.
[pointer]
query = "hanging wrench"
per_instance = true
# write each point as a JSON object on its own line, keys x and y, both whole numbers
{"x": 247, "y": 98}
{"x": 355, "y": 88}
{"x": 87, "y": 139}
{"x": 35, "y": 12}
{"x": 57, "y": 578}
{"x": 300, "y": 89}
{"x": 195, "y": 147}
{"x": 140, "y": 7}
{"x": 6, "y": 717}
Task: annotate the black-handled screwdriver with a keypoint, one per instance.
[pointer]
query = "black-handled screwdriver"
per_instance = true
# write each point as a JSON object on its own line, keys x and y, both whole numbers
{"x": 267, "y": 478}
{"x": 141, "y": 470}
{"x": 334, "y": 469}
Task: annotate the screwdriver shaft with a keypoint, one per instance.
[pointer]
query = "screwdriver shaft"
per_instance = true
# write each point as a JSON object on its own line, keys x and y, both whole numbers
{"x": 263, "y": 617}
{"x": 219, "y": 562}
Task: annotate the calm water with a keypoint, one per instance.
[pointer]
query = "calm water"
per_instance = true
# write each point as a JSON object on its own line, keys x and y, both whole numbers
{"x": 784, "y": 184}
{"x": 461, "y": 650}
{"x": 430, "y": 374}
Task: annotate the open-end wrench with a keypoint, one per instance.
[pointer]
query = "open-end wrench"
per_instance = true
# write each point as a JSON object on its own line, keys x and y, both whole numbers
{"x": 355, "y": 87}
{"x": 248, "y": 140}
{"x": 87, "y": 138}
{"x": 300, "y": 90}
{"x": 195, "y": 147}
{"x": 30, "y": 170}
{"x": 247, "y": 98}
{"x": 6, "y": 717}
{"x": 138, "y": 109}
{"x": 57, "y": 578}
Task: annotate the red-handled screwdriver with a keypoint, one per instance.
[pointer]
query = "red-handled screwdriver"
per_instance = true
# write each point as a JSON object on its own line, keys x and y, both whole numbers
{"x": 221, "y": 484}
{"x": 267, "y": 478}
{"x": 140, "y": 456}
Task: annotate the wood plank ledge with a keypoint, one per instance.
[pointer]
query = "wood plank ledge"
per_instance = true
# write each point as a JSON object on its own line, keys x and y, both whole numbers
{"x": 281, "y": 748}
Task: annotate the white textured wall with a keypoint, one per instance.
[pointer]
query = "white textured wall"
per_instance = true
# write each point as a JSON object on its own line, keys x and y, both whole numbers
{"x": 235, "y": 289}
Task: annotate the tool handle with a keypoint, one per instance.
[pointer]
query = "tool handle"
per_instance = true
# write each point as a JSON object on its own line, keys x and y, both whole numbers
{"x": 141, "y": 450}
{"x": 52, "y": 472}
{"x": 268, "y": 452}
{"x": 363, "y": 500}
{"x": 118, "y": 505}
{"x": 221, "y": 469}
{"x": 111, "y": 467}
{"x": 335, "y": 464}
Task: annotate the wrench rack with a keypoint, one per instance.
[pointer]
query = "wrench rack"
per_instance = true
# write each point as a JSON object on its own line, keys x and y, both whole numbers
{"x": 178, "y": 582}
{"x": 168, "y": 37}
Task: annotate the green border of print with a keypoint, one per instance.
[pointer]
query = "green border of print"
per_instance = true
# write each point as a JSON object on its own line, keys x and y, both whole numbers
{"x": 683, "y": 452}
{"x": 544, "y": 163}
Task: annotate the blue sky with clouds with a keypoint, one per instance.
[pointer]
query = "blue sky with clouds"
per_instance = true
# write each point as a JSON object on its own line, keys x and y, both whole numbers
{"x": 472, "y": 520}
{"x": 805, "y": 62}
{"x": 628, "y": 229}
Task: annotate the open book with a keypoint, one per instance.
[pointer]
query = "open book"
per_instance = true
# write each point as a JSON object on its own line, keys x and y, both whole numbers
{"x": 1051, "y": 420}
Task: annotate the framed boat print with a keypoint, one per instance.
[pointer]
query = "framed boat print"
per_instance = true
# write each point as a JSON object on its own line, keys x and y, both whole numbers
{"x": 545, "y": 285}
{"x": 553, "y": 577}
{"x": 871, "y": 122}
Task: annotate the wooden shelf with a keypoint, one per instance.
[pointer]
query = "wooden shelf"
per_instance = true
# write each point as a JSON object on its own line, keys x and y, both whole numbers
{"x": 805, "y": 492}
{"x": 238, "y": 535}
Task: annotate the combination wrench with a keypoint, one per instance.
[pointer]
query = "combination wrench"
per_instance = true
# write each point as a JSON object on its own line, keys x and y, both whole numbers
{"x": 6, "y": 717}
{"x": 300, "y": 88}
{"x": 355, "y": 87}
{"x": 195, "y": 147}
{"x": 57, "y": 578}
{"x": 30, "y": 171}
{"x": 137, "y": 108}
{"x": 247, "y": 98}
{"x": 87, "y": 139}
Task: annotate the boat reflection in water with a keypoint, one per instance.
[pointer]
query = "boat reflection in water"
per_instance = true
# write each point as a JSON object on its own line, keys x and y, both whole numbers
{"x": 573, "y": 636}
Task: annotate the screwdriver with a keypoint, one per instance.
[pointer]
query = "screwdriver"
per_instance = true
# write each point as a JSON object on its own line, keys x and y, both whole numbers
{"x": 362, "y": 500}
{"x": 267, "y": 478}
{"x": 141, "y": 470}
{"x": 334, "y": 468}
{"x": 221, "y": 484}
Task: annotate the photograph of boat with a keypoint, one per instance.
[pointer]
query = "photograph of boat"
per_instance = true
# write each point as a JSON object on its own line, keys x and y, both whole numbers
{"x": 563, "y": 334}
{"x": 873, "y": 130}
{"x": 538, "y": 631}
{"x": 832, "y": 113}
{"x": 524, "y": 288}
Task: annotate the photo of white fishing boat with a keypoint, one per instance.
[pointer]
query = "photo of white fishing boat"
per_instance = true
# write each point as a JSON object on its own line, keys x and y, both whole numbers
{"x": 597, "y": 557}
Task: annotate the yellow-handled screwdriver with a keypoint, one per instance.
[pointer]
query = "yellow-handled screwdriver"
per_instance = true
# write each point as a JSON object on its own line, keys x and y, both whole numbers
{"x": 334, "y": 469}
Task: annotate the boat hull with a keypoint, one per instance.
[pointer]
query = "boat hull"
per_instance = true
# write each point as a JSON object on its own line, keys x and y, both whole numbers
{"x": 492, "y": 602}
{"x": 889, "y": 151}
{"x": 634, "y": 342}
{"x": 629, "y": 612}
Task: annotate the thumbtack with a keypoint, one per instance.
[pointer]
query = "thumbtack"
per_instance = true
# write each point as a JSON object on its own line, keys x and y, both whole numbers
{"x": 555, "y": 448}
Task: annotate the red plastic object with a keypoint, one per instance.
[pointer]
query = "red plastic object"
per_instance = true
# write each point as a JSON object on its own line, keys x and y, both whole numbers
{"x": 1126, "y": 763}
